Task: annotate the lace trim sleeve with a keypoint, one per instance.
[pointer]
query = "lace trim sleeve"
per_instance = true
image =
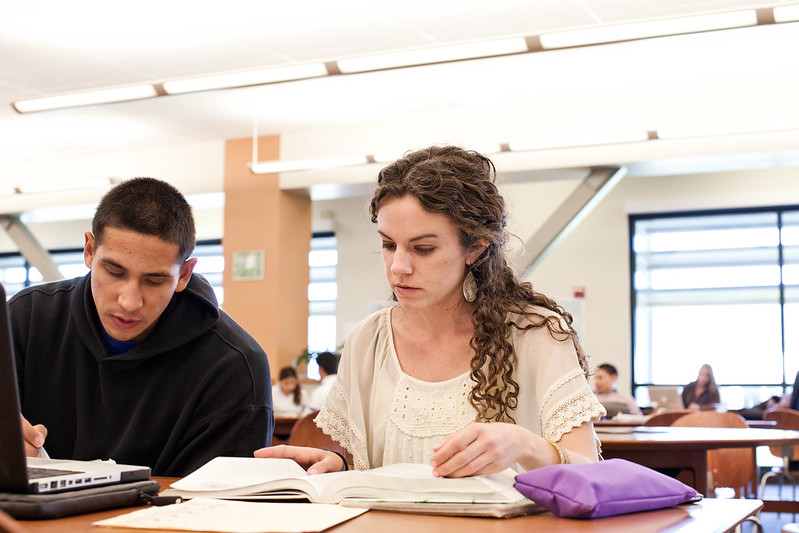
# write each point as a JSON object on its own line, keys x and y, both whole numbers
{"x": 333, "y": 421}
{"x": 576, "y": 407}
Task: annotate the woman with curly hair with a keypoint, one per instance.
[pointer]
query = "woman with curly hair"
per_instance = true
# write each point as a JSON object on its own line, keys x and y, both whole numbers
{"x": 472, "y": 371}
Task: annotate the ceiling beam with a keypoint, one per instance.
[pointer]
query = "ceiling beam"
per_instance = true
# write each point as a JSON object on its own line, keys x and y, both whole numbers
{"x": 567, "y": 216}
{"x": 30, "y": 248}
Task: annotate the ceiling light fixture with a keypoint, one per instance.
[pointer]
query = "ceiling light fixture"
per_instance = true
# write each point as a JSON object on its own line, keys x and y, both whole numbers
{"x": 246, "y": 78}
{"x": 274, "y": 167}
{"x": 729, "y": 129}
{"x": 422, "y": 56}
{"x": 99, "y": 96}
{"x": 63, "y": 186}
{"x": 574, "y": 142}
{"x": 786, "y": 13}
{"x": 649, "y": 29}
{"x": 438, "y": 54}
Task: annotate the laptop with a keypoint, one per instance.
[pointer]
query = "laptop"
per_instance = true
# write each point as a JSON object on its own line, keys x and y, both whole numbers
{"x": 665, "y": 397}
{"x": 35, "y": 475}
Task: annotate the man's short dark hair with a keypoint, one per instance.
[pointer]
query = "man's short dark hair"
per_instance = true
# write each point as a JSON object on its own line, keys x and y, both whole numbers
{"x": 610, "y": 369}
{"x": 327, "y": 362}
{"x": 148, "y": 206}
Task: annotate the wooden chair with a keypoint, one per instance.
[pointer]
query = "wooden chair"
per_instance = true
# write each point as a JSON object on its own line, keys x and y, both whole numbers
{"x": 727, "y": 467}
{"x": 785, "y": 419}
{"x": 666, "y": 418}
{"x": 305, "y": 433}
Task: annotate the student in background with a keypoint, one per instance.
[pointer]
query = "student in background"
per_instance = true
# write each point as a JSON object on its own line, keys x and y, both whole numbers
{"x": 328, "y": 367}
{"x": 473, "y": 371}
{"x": 288, "y": 396}
{"x": 702, "y": 393}
{"x": 605, "y": 390}
{"x": 135, "y": 361}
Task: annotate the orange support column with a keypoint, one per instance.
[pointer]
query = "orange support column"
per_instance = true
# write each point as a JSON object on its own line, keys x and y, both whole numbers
{"x": 266, "y": 243}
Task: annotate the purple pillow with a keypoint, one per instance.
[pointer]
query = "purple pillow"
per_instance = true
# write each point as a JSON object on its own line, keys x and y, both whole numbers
{"x": 606, "y": 488}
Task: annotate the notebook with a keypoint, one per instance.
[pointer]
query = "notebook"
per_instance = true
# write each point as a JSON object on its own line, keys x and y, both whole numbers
{"x": 666, "y": 397}
{"x": 46, "y": 475}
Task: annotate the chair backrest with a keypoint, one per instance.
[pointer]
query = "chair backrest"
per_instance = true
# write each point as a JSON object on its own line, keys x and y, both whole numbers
{"x": 665, "y": 418}
{"x": 785, "y": 419}
{"x": 711, "y": 419}
{"x": 727, "y": 467}
{"x": 305, "y": 433}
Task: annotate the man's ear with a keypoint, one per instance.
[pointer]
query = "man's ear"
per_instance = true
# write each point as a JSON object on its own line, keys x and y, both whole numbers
{"x": 88, "y": 249}
{"x": 185, "y": 273}
{"x": 476, "y": 250}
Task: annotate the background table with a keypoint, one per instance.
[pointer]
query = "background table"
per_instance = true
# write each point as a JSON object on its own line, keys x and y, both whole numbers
{"x": 686, "y": 447}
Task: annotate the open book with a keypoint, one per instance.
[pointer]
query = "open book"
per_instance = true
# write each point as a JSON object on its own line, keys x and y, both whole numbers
{"x": 399, "y": 487}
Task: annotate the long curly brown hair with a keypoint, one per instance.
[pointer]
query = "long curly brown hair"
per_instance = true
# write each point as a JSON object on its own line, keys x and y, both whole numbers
{"x": 460, "y": 184}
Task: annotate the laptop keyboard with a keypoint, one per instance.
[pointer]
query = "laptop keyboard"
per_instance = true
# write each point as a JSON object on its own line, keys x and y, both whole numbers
{"x": 35, "y": 472}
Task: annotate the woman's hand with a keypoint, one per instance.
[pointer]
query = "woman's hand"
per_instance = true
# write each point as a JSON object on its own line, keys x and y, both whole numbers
{"x": 313, "y": 460}
{"x": 482, "y": 448}
{"x": 487, "y": 448}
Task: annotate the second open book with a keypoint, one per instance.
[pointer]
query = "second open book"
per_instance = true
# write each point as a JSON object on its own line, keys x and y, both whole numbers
{"x": 399, "y": 487}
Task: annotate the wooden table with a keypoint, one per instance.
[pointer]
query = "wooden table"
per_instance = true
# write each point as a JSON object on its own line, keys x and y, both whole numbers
{"x": 707, "y": 516}
{"x": 624, "y": 423}
{"x": 687, "y": 447}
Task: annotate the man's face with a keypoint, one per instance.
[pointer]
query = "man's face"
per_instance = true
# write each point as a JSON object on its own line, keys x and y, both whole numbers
{"x": 603, "y": 381}
{"x": 133, "y": 279}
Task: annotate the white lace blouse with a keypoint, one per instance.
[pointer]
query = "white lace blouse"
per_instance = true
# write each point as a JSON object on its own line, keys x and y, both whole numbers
{"x": 383, "y": 416}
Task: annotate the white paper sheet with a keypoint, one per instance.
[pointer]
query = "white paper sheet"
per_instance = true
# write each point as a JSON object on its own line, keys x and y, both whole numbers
{"x": 205, "y": 514}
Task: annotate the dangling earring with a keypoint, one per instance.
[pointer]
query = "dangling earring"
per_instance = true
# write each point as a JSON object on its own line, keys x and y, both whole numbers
{"x": 469, "y": 287}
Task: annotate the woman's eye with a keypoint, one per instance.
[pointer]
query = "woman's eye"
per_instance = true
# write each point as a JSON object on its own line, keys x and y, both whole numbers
{"x": 425, "y": 251}
{"x": 389, "y": 245}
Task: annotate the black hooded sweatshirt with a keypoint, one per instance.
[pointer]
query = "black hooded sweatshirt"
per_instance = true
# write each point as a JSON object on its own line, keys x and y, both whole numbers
{"x": 197, "y": 387}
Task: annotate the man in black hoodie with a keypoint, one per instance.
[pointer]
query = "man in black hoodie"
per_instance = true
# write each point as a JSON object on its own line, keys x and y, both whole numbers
{"x": 135, "y": 361}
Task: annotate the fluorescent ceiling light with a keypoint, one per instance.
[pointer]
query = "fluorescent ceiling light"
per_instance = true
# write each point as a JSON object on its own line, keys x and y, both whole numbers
{"x": 387, "y": 157}
{"x": 100, "y": 96}
{"x": 60, "y": 186}
{"x": 244, "y": 79}
{"x": 572, "y": 142}
{"x": 437, "y": 54}
{"x": 643, "y": 30}
{"x": 730, "y": 129}
{"x": 786, "y": 13}
{"x": 273, "y": 167}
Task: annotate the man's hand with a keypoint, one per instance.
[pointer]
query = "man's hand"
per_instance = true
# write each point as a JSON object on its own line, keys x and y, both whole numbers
{"x": 34, "y": 437}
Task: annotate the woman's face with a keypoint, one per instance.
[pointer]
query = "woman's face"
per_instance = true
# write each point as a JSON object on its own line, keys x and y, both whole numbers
{"x": 287, "y": 385}
{"x": 704, "y": 376}
{"x": 424, "y": 260}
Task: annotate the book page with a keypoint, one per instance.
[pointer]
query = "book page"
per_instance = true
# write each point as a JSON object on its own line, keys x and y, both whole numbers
{"x": 224, "y": 473}
{"x": 203, "y": 514}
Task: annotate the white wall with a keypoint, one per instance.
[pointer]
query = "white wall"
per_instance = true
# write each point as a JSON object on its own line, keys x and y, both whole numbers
{"x": 595, "y": 255}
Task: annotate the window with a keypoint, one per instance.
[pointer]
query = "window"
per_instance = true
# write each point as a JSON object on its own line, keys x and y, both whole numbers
{"x": 717, "y": 287}
{"x": 16, "y": 273}
{"x": 322, "y": 293}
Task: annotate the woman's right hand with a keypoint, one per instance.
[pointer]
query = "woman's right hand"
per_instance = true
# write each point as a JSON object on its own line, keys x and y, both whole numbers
{"x": 313, "y": 460}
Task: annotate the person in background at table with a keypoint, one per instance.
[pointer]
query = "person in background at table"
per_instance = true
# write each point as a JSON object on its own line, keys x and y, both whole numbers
{"x": 703, "y": 393}
{"x": 135, "y": 361}
{"x": 288, "y": 396}
{"x": 328, "y": 367}
{"x": 605, "y": 382}
{"x": 472, "y": 371}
